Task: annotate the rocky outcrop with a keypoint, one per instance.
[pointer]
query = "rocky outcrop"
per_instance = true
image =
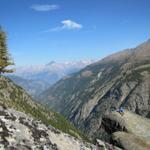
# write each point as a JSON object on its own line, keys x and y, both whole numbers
{"x": 122, "y": 79}
{"x": 100, "y": 145}
{"x": 19, "y": 131}
{"x": 128, "y": 131}
{"x": 129, "y": 141}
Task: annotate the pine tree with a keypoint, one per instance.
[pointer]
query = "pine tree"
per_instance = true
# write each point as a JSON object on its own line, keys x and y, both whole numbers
{"x": 5, "y": 59}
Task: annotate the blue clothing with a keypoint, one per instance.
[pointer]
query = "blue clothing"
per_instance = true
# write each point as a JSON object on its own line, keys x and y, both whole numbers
{"x": 120, "y": 110}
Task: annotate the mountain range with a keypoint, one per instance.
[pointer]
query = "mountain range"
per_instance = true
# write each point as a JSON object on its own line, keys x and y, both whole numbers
{"x": 119, "y": 80}
{"x": 36, "y": 79}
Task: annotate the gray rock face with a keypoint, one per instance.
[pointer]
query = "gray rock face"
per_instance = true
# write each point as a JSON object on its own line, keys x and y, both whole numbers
{"x": 122, "y": 79}
{"x": 129, "y": 141}
{"x": 129, "y": 131}
{"x": 105, "y": 146}
{"x": 21, "y": 132}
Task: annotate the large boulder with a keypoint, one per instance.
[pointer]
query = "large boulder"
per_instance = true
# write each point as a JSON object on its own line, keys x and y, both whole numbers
{"x": 130, "y": 141}
{"x": 129, "y": 131}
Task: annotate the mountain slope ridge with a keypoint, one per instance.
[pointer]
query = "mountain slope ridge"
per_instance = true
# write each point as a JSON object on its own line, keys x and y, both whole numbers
{"x": 121, "y": 79}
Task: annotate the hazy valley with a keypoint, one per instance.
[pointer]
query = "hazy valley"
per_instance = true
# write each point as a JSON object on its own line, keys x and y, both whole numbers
{"x": 36, "y": 79}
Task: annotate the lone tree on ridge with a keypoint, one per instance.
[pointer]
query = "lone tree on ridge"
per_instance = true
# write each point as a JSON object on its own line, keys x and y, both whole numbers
{"x": 5, "y": 59}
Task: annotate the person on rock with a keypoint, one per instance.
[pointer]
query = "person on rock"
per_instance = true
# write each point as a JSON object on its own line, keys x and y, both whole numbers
{"x": 121, "y": 111}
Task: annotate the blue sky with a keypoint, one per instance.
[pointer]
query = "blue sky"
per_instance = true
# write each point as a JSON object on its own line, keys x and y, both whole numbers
{"x": 68, "y": 30}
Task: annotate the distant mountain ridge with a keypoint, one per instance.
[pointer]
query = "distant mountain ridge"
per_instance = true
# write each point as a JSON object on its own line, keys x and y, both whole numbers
{"x": 121, "y": 79}
{"x": 36, "y": 79}
{"x": 30, "y": 72}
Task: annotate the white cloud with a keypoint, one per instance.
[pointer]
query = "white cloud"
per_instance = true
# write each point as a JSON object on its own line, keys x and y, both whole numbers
{"x": 38, "y": 7}
{"x": 66, "y": 25}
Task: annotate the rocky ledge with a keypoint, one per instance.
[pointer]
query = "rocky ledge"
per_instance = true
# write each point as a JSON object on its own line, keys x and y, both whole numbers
{"x": 129, "y": 131}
